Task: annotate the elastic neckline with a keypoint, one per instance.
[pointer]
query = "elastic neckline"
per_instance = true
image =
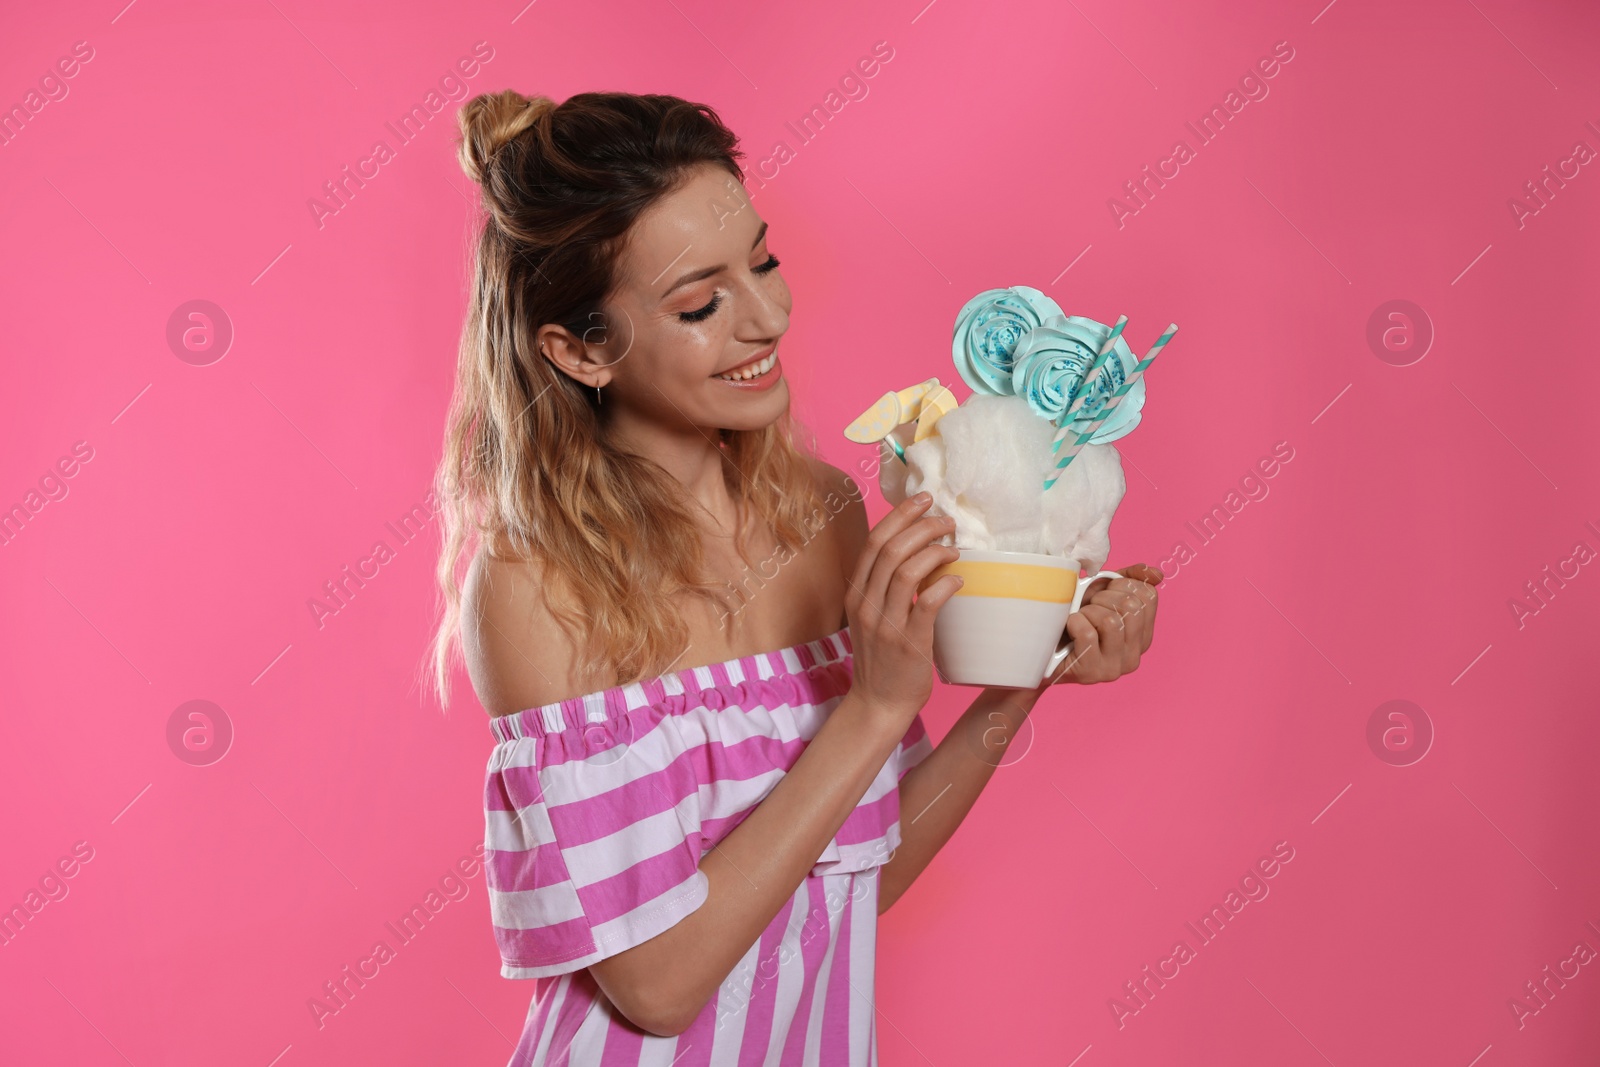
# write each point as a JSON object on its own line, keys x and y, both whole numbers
{"x": 724, "y": 675}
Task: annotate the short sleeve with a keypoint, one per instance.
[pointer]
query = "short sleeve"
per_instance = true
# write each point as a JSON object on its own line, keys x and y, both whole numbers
{"x": 585, "y": 851}
{"x": 913, "y": 748}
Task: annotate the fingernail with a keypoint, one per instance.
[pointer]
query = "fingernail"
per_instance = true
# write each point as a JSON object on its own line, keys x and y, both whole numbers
{"x": 923, "y": 498}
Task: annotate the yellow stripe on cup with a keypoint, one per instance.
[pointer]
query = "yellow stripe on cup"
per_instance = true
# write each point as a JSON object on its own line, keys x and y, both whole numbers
{"x": 1021, "y": 581}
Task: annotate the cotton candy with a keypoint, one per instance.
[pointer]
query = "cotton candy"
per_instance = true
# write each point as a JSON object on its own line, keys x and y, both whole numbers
{"x": 985, "y": 467}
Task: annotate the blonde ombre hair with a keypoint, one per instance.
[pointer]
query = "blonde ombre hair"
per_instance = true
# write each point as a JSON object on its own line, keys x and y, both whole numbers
{"x": 525, "y": 472}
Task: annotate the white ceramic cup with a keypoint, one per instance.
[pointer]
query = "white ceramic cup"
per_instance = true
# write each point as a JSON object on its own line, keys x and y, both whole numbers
{"x": 1006, "y": 626}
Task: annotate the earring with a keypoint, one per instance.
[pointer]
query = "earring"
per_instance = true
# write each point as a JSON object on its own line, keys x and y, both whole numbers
{"x": 597, "y": 398}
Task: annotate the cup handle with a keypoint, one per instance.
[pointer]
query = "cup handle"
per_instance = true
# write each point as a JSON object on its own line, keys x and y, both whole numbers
{"x": 1064, "y": 650}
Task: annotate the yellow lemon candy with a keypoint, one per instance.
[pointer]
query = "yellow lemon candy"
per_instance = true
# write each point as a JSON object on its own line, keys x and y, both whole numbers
{"x": 937, "y": 403}
{"x": 891, "y": 410}
{"x": 876, "y": 422}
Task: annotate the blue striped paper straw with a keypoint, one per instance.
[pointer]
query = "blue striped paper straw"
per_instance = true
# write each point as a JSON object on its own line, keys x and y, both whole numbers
{"x": 1095, "y": 370}
{"x": 1111, "y": 405}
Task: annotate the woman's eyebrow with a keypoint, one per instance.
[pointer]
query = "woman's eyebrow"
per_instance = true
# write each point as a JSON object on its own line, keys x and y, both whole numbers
{"x": 706, "y": 272}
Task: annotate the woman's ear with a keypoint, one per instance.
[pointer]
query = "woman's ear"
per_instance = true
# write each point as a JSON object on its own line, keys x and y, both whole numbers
{"x": 609, "y": 338}
{"x": 587, "y": 359}
{"x": 568, "y": 354}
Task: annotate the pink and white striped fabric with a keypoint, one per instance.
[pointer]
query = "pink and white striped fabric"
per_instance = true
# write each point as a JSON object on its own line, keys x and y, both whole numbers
{"x": 597, "y": 812}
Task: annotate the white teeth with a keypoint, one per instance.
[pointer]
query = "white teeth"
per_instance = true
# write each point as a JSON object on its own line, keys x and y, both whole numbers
{"x": 755, "y": 370}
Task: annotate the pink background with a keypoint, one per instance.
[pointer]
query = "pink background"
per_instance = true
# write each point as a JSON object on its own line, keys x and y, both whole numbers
{"x": 1381, "y": 565}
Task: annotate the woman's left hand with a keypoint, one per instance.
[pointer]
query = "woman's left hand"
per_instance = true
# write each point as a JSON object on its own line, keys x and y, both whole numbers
{"x": 1112, "y": 629}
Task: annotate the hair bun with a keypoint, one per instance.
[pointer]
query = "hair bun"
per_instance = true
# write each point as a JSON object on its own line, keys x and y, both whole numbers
{"x": 489, "y": 120}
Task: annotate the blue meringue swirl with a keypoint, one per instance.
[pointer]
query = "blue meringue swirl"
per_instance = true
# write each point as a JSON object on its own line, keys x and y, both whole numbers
{"x": 989, "y": 328}
{"x": 1050, "y": 363}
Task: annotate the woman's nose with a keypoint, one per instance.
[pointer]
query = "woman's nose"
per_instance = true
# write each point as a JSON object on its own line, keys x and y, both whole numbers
{"x": 767, "y": 317}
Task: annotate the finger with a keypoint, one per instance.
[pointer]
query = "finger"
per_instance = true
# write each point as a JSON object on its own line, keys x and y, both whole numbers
{"x": 902, "y": 546}
{"x": 1144, "y": 572}
{"x": 1145, "y": 616}
{"x": 1144, "y": 593}
{"x": 1111, "y": 628}
{"x": 1143, "y": 590}
{"x": 925, "y": 533}
{"x": 919, "y": 627}
{"x": 900, "y": 516}
{"x": 1099, "y": 585}
{"x": 1135, "y": 612}
{"x": 1124, "y": 602}
{"x": 1085, "y": 644}
{"x": 903, "y": 515}
{"x": 1132, "y": 642}
{"x": 1131, "y": 612}
{"x": 897, "y": 600}
{"x": 1133, "y": 587}
{"x": 1120, "y": 595}
{"x": 1150, "y": 621}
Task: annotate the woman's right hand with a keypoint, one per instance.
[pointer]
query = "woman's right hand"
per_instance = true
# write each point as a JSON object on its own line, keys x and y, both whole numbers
{"x": 892, "y": 635}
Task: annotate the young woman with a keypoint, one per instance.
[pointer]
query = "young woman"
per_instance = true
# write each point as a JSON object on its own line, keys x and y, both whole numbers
{"x": 705, "y": 673}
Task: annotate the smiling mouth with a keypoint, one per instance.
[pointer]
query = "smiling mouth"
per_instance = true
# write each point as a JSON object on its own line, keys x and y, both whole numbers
{"x": 751, "y": 370}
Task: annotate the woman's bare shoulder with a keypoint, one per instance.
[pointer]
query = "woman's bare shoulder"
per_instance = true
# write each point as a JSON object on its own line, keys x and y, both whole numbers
{"x": 518, "y": 656}
{"x": 845, "y": 501}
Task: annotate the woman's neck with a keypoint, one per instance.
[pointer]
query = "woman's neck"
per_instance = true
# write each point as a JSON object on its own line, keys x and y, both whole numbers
{"x": 691, "y": 455}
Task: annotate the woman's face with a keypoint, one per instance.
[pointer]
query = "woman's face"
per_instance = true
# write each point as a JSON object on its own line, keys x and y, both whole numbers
{"x": 698, "y": 296}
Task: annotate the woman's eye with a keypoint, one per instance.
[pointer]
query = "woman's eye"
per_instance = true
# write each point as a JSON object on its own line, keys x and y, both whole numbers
{"x": 700, "y": 314}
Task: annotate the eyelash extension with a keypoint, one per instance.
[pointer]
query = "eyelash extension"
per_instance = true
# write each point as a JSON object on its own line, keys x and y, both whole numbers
{"x": 701, "y": 314}
{"x": 704, "y": 313}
